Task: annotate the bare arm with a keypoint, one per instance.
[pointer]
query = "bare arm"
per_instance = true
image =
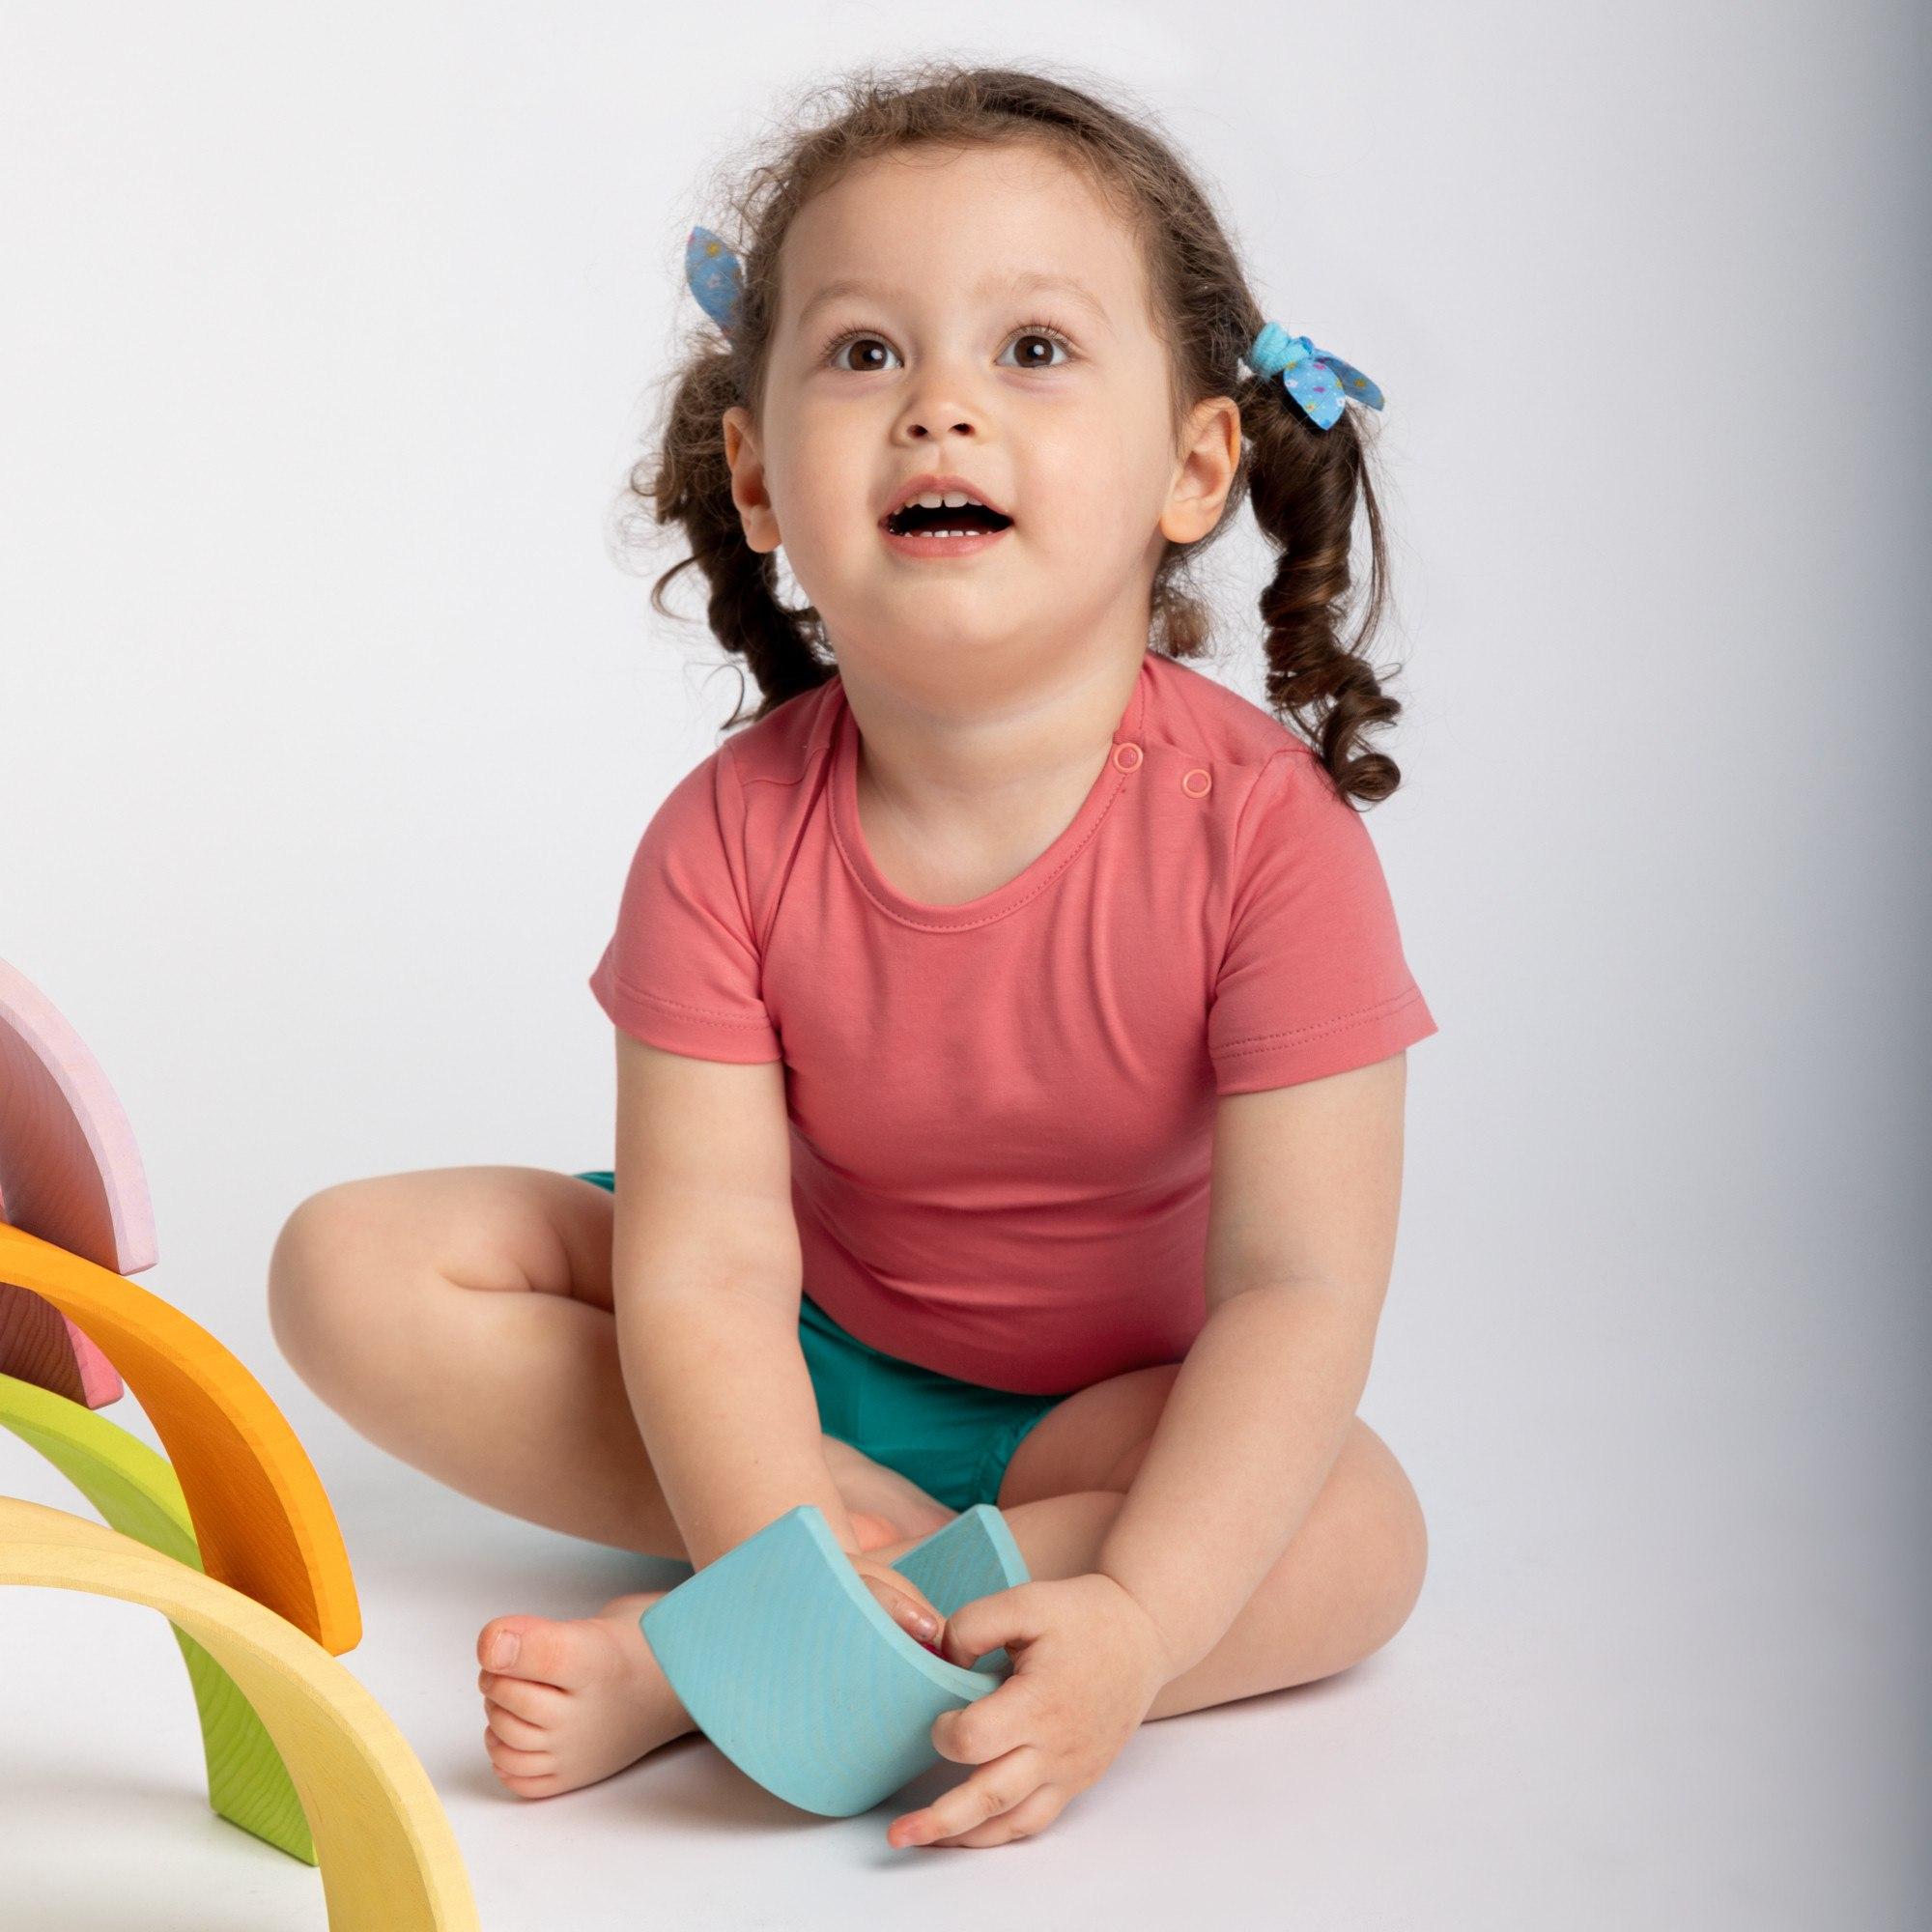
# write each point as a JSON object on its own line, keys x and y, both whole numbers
{"x": 706, "y": 1279}
{"x": 1301, "y": 1236}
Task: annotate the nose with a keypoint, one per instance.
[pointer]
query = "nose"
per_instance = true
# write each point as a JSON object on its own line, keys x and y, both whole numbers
{"x": 919, "y": 422}
{"x": 938, "y": 404}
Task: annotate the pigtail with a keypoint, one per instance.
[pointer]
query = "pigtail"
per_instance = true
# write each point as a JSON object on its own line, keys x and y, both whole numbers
{"x": 1304, "y": 483}
{"x": 691, "y": 487}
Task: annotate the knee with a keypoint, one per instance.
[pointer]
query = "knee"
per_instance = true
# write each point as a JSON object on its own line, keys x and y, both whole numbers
{"x": 1393, "y": 1538}
{"x": 311, "y": 1284}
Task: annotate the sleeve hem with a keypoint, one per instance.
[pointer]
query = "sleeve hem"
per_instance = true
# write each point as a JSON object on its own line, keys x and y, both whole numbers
{"x": 1297, "y": 1054}
{"x": 687, "y": 1030}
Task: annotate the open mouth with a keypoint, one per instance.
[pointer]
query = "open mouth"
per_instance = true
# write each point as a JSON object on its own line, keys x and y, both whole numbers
{"x": 966, "y": 520}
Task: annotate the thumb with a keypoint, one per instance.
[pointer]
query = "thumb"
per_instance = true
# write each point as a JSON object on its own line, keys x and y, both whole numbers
{"x": 987, "y": 1623}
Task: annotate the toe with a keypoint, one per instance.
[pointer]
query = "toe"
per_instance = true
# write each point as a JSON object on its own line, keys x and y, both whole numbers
{"x": 511, "y": 1762}
{"x": 535, "y": 1703}
{"x": 518, "y": 1732}
{"x": 561, "y": 1654}
{"x": 500, "y": 1642}
{"x": 546, "y": 1652}
{"x": 531, "y": 1787}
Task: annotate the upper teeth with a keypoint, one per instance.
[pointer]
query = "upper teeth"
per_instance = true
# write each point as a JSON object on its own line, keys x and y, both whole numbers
{"x": 952, "y": 500}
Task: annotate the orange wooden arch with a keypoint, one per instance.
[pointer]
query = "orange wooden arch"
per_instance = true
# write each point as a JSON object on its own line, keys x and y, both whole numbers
{"x": 262, "y": 1518}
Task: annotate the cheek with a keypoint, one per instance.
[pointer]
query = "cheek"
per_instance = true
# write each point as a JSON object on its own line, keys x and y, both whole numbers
{"x": 1101, "y": 499}
{"x": 824, "y": 518}
{"x": 821, "y": 478}
{"x": 821, "y": 524}
{"x": 1092, "y": 529}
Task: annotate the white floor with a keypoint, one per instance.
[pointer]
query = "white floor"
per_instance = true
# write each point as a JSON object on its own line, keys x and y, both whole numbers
{"x": 1655, "y": 1678}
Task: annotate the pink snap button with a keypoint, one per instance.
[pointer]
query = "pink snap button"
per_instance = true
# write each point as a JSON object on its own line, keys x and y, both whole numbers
{"x": 1192, "y": 789}
{"x": 1126, "y": 757}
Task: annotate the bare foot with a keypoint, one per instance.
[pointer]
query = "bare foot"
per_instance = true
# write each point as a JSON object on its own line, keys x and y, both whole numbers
{"x": 581, "y": 1699}
{"x": 577, "y": 1702}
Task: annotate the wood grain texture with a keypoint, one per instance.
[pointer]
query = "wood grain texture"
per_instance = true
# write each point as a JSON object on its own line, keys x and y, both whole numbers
{"x": 138, "y": 1494}
{"x": 790, "y": 1665}
{"x": 262, "y": 1520}
{"x": 390, "y": 1860}
{"x": 40, "y": 1346}
{"x": 69, "y": 1170}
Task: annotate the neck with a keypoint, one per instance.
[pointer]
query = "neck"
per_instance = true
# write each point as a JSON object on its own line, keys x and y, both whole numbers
{"x": 973, "y": 769}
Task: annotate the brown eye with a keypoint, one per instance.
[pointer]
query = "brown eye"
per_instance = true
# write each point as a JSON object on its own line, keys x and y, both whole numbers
{"x": 869, "y": 347}
{"x": 1035, "y": 347}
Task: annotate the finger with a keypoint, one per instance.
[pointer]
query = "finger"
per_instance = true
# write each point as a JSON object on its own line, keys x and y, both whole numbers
{"x": 905, "y": 1609}
{"x": 992, "y": 1789}
{"x": 920, "y": 1602}
{"x": 989, "y": 1727}
{"x": 905, "y": 1612}
{"x": 986, "y": 1623}
{"x": 1030, "y": 1816}
{"x": 913, "y": 1594}
{"x": 886, "y": 1582}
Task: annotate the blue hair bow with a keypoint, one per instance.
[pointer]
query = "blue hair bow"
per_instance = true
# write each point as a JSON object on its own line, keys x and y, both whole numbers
{"x": 1319, "y": 382}
{"x": 715, "y": 276}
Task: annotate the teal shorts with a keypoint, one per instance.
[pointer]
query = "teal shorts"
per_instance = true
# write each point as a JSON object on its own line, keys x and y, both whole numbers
{"x": 953, "y": 1439}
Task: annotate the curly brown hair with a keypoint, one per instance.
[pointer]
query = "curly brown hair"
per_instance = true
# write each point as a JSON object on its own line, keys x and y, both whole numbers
{"x": 1303, "y": 482}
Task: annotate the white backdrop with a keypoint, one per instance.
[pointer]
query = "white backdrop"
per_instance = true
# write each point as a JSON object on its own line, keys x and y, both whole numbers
{"x": 330, "y": 721}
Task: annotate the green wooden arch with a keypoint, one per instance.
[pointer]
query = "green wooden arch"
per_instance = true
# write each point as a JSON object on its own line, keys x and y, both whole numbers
{"x": 137, "y": 1492}
{"x": 386, "y": 1857}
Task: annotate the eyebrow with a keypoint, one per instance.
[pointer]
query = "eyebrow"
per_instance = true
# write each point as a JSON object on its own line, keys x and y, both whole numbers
{"x": 1026, "y": 281}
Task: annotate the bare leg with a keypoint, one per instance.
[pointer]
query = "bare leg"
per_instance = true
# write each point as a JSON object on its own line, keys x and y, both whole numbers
{"x": 460, "y": 1318}
{"x": 588, "y": 1698}
{"x": 1340, "y": 1590}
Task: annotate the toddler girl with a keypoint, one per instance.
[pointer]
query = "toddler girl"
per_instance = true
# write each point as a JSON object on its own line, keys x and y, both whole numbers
{"x": 1010, "y": 1019}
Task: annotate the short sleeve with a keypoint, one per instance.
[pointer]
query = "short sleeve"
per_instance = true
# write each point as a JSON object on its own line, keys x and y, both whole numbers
{"x": 682, "y": 969}
{"x": 1312, "y": 980}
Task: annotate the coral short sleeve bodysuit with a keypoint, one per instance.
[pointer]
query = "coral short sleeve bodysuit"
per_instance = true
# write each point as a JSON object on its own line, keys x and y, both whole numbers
{"x": 1002, "y": 1112}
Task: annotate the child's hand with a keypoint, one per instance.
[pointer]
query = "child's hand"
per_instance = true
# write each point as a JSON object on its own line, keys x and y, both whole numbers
{"x": 1088, "y": 1663}
{"x": 905, "y": 1602}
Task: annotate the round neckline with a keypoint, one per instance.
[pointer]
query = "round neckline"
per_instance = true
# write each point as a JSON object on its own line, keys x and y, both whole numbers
{"x": 1026, "y": 884}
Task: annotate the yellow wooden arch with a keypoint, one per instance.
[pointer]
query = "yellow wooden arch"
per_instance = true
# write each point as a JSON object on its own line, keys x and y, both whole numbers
{"x": 262, "y": 1518}
{"x": 138, "y": 1494}
{"x": 390, "y": 1860}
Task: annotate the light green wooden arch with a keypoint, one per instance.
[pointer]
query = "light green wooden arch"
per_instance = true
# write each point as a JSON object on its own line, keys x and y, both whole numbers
{"x": 388, "y": 1859}
{"x": 140, "y": 1495}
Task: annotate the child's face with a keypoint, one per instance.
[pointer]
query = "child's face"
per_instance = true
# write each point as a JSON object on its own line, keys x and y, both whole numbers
{"x": 942, "y": 369}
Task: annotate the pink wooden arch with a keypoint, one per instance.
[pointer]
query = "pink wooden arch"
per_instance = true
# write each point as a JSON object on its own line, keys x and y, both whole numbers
{"x": 72, "y": 1174}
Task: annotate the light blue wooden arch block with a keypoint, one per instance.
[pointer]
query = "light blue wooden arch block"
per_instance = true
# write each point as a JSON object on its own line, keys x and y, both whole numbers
{"x": 790, "y": 1665}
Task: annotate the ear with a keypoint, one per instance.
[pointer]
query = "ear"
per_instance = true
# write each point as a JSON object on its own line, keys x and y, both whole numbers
{"x": 748, "y": 480}
{"x": 1209, "y": 455}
